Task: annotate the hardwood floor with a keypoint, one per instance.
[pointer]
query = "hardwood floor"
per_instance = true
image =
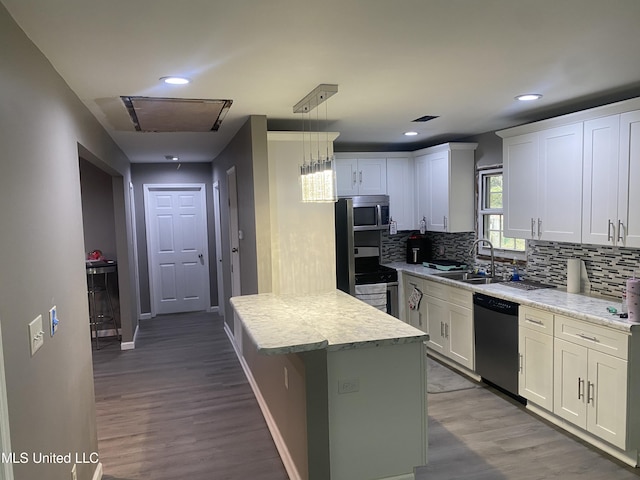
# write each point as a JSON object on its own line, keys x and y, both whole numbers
{"x": 481, "y": 434}
{"x": 179, "y": 406}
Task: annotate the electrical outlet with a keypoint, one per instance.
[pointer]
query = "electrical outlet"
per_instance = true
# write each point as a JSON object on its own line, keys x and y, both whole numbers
{"x": 348, "y": 385}
{"x": 36, "y": 334}
{"x": 74, "y": 475}
{"x": 53, "y": 321}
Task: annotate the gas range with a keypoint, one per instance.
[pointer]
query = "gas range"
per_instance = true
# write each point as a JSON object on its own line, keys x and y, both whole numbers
{"x": 377, "y": 274}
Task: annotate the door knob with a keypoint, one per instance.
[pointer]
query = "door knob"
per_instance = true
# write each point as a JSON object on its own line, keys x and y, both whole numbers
{"x": 234, "y": 250}
{"x": 200, "y": 256}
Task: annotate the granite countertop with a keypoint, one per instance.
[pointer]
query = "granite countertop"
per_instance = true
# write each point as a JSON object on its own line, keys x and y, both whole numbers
{"x": 280, "y": 324}
{"x": 556, "y": 300}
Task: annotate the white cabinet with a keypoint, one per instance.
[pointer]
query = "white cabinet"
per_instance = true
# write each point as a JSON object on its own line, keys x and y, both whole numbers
{"x": 543, "y": 184}
{"x": 449, "y": 318}
{"x": 361, "y": 176}
{"x": 445, "y": 186}
{"x": 400, "y": 179}
{"x": 590, "y": 386}
{"x": 415, "y": 317}
{"x": 628, "y": 228}
{"x": 535, "y": 350}
{"x": 611, "y": 213}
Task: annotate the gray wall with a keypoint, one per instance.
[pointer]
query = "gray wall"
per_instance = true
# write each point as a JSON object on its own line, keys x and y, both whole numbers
{"x": 44, "y": 128}
{"x": 248, "y": 145}
{"x": 157, "y": 173}
{"x": 489, "y": 150}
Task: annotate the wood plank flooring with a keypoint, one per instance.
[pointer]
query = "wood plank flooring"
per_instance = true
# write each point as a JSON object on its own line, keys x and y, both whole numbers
{"x": 481, "y": 434}
{"x": 179, "y": 406}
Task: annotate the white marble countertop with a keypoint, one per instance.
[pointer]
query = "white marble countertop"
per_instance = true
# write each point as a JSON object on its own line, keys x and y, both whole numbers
{"x": 334, "y": 320}
{"x": 578, "y": 305}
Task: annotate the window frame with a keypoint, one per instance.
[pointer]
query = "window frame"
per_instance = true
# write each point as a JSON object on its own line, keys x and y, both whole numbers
{"x": 483, "y": 249}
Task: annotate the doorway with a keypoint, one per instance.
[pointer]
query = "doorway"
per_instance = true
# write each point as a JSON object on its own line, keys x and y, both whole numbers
{"x": 177, "y": 246}
{"x": 234, "y": 233}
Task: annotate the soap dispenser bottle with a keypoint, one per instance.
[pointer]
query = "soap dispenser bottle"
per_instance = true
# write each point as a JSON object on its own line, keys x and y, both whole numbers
{"x": 515, "y": 275}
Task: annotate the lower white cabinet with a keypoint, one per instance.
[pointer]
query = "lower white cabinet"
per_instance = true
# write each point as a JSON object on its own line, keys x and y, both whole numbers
{"x": 535, "y": 350}
{"x": 449, "y": 318}
{"x": 414, "y": 317}
{"x": 591, "y": 391}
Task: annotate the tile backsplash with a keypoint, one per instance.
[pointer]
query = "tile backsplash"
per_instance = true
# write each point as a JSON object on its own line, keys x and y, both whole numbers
{"x": 607, "y": 267}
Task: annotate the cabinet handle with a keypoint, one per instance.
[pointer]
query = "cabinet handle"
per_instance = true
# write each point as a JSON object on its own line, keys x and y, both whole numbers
{"x": 446, "y": 330}
{"x": 442, "y": 329}
{"x": 445, "y": 222}
{"x": 609, "y": 236}
{"x": 535, "y": 321}
{"x": 520, "y": 363}
{"x": 591, "y": 387}
{"x": 533, "y": 222}
{"x": 539, "y": 228}
{"x": 360, "y": 177}
{"x": 580, "y": 388}
{"x": 621, "y": 233}
{"x": 588, "y": 337}
{"x": 354, "y": 177}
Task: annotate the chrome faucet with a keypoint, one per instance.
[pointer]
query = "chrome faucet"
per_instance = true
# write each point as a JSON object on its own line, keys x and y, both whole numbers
{"x": 493, "y": 263}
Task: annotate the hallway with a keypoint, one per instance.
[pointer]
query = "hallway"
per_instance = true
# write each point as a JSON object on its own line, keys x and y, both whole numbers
{"x": 179, "y": 406}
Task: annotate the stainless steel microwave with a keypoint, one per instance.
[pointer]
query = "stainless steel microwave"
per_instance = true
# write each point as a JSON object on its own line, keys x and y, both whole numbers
{"x": 370, "y": 212}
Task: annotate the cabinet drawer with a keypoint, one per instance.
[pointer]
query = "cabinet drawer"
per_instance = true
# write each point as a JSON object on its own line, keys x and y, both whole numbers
{"x": 460, "y": 296}
{"x": 535, "y": 319}
{"x": 592, "y": 336}
{"x": 435, "y": 289}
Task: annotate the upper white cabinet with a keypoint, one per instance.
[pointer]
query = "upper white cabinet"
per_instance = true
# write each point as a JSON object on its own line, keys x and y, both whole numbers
{"x": 445, "y": 186}
{"x": 611, "y": 214}
{"x": 543, "y": 184}
{"x": 400, "y": 191}
{"x": 361, "y": 176}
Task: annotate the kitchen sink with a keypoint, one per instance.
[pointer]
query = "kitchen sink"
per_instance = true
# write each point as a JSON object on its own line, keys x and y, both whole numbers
{"x": 467, "y": 277}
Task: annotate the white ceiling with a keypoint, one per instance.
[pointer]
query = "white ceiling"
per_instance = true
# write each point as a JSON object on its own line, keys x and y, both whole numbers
{"x": 394, "y": 61}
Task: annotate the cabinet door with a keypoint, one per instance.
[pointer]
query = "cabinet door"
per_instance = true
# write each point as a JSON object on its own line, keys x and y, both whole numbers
{"x": 422, "y": 195}
{"x": 437, "y": 171}
{"x": 459, "y": 333}
{"x": 535, "y": 378}
{"x": 560, "y": 184}
{"x": 372, "y": 176}
{"x": 629, "y": 180}
{"x": 520, "y": 174}
{"x": 600, "y": 180}
{"x": 400, "y": 191}
{"x": 570, "y": 382}
{"x": 416, "y": 318}
{"x": 607, "y": 398}
{"x": 436, "y": 316}
{"x": 347, "y": 177}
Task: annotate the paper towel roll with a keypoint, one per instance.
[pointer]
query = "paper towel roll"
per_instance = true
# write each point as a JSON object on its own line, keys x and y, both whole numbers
{"x": 573, "y": 275}
{"x": 633, "y": 299}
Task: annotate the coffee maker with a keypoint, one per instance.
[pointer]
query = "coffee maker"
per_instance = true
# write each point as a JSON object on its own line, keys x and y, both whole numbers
{"x": 418, "y": 249}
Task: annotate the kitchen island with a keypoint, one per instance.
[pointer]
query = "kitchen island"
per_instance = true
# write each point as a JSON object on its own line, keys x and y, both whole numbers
{"x": 341, "y": 384}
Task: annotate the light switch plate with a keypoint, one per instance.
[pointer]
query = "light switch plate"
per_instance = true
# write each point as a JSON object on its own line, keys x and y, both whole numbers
{"x": 36, "y": 334}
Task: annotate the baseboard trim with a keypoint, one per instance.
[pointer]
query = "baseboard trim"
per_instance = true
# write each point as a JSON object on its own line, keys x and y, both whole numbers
{"x": 281, "y": 446}
{"x": 146, "y": 316}
{"x": 130, "y": 345}
{"x": 97, "y": 474}
{"x": 630, "y": 458}
{"x": 213, "y": 309}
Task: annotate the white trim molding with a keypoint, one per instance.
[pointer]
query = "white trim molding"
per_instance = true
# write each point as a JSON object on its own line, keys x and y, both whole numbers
{"x": 97, "y": 473}
{"x": 130, "y": 345}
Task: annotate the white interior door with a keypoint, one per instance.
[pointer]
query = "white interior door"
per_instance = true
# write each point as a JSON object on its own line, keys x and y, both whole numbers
{"x": 218, "y": 234}
{"x": 177, "y": 248}
{"x": 234, "y": 233}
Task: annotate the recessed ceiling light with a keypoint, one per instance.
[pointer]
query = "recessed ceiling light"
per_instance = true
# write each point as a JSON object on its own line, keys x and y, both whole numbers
{"x": 175, "y": 80}
{"x": 527, "y": 97}
{"x": 172, "y": 157}
{"x": 411, "y": 134}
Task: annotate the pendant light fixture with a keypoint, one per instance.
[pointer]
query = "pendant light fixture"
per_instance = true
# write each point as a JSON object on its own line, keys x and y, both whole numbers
{"x": 318, "y": 168}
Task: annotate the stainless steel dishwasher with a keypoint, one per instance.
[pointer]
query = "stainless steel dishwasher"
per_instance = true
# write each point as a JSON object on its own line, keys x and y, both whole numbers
{"x": 496, "y": 337}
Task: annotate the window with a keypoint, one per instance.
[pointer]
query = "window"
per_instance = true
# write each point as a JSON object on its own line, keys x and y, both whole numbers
{"x": 490, "y": 218}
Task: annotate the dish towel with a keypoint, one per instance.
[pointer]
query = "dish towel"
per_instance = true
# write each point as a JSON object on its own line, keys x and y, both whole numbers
{"x": 414, "y": 299}
{"x": 373, "y": 294}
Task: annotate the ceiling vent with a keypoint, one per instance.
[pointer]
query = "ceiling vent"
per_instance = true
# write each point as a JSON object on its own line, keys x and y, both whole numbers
{"x": 426, "y": 118}
{"x": 152, "y": 114}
